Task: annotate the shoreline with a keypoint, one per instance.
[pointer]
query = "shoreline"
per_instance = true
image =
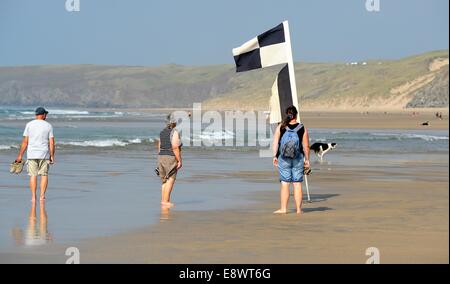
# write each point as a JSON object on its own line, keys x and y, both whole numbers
{"x": 356, "y": 119}
{"x": 343, "y": 119}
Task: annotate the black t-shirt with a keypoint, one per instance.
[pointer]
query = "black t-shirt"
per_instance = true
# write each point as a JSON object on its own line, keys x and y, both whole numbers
{"x": 300, "y": 133}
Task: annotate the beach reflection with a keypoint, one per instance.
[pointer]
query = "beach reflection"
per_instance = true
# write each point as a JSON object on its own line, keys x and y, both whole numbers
{"x": 36, "y": 233}
{"x": 165, "y": 214}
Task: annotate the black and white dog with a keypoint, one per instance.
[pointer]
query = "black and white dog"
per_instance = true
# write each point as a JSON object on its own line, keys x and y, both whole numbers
{"x": 322, "y": 148}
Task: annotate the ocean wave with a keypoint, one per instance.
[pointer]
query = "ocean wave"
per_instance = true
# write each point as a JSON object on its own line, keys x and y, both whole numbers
{"x": 135, "y": 141}
{"x": 403, "y": 136}
{"x": 96, "y": 143}
{"x": 93, "y": 116}
{"x": 60, "y": 112}
{"x": 216, "y": 135}
{"x": 104, "y": 143}
{"x": 378, "y": 136}
{"x": 7, "y": 147}
{"x": 100, "y": 143}
{"x": 27, "y": 114}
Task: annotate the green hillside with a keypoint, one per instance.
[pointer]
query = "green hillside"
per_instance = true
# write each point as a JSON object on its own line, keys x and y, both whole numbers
{"x": 414, "y": 81}
{"x": 346, "y": 86}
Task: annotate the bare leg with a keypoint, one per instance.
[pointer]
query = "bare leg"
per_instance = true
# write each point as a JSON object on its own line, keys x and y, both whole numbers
{"x": 298, "y": 195}
{"x": 44, "y": 184}
{"x": 284, "y": 198}
{"x": 163, "y": 189}
{"x": 164, "y": 203}
{"x": 33, "y": 186}
{"x": 167, "y": 191}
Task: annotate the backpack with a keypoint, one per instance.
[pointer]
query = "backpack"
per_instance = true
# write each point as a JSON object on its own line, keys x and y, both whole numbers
{"x": 290, "y": 143}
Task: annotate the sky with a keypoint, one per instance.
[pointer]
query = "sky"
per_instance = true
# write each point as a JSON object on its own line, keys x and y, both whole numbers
{"x": 203, "y": 32}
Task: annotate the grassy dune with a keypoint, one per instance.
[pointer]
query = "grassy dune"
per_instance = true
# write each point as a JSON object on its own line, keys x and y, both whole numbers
{"x": 379, "y": 84}
{"x": 342, "y": 86}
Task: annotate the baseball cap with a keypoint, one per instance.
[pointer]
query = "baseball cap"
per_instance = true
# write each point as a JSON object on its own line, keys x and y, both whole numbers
{"x": 40, "y": 111}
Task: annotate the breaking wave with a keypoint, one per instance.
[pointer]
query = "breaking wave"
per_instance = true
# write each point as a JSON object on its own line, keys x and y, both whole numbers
{"x": 404, "y": 136}
{"x": 104, "y": 143}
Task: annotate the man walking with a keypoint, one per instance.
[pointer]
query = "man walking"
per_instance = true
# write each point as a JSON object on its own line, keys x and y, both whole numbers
{"x": 39, "y": 142}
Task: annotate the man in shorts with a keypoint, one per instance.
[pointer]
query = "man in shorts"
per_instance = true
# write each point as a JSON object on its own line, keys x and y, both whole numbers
{"x": 39, "y": 142}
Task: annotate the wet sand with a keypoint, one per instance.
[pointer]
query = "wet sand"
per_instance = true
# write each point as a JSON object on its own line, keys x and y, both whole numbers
{"x": 399, "y": 205}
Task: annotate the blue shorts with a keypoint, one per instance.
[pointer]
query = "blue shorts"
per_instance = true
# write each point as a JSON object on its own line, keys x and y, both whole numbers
{"x": 291, "y": 170}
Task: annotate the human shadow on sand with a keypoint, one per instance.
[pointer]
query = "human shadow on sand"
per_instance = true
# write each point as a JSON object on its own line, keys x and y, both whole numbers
{"x": 315, "y": 198}
{"x": 316, "y": 209}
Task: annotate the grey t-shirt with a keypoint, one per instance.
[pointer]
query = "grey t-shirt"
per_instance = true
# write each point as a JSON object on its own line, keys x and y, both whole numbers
{"x": 38, "y": 132}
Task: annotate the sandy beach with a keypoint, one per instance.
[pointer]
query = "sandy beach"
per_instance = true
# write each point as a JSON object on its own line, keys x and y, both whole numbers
{"x": 358, "y": 118}
{"x": 392, "y": 199}
{"x": 376, "y": 119}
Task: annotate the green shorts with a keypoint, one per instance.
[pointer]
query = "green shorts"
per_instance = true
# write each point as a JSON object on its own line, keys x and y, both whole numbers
{"x": 38, "y": 167}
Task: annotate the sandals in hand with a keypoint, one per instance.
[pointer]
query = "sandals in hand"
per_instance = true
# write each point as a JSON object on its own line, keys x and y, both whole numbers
{"x": 16, "y": 167}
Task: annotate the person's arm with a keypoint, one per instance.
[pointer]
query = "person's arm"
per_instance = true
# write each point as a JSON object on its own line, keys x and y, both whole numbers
{"x": 176, "y": 147}
{"x": 51, "y": 145}
{"x": 276, "y": 141}
{"x": 23, "y": 147}
{"x": 52, "y": 149}
{"x": 306, "y": 150}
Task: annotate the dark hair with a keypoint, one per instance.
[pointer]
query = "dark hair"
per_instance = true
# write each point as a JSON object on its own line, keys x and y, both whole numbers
{"x": 291, "y": 113}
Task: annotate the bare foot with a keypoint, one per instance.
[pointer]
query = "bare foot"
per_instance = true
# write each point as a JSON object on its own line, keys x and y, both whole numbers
{"x": 33, "y": 200}
{"x": 280, "y": 212}
{"x": 167, "y": 204}
{"x": 300, "y": 211}
{"x": 42, "y": 198}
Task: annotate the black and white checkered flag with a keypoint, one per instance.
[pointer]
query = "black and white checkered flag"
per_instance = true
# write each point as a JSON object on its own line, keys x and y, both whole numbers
{"x": 268, "y": 49}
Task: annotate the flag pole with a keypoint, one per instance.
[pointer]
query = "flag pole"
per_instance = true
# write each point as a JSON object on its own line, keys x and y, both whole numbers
{"x": 293, "y": 82}
{"x": 307, "y": 188}
{"x": 291, "y": 66}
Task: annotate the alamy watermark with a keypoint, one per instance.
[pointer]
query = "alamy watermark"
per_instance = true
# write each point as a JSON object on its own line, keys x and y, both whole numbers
{"x": 373, "y": 5}
{"x": 374, "y": 255}
{"x": 213, "y": 128}
{"x": 73, "y": 5}
{"x": 74, "y": 255}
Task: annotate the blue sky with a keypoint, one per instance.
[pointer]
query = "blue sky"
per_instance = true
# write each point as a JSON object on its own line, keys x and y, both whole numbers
{"x": 203, "y": 32}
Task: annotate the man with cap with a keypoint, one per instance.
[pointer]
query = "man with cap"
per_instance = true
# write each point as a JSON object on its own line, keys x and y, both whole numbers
{"x": 169, "y": 159}
{"x": 39, "y": 142}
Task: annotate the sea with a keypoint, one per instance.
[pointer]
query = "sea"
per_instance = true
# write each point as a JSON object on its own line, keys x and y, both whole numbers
{"x": 124, "y": 130}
